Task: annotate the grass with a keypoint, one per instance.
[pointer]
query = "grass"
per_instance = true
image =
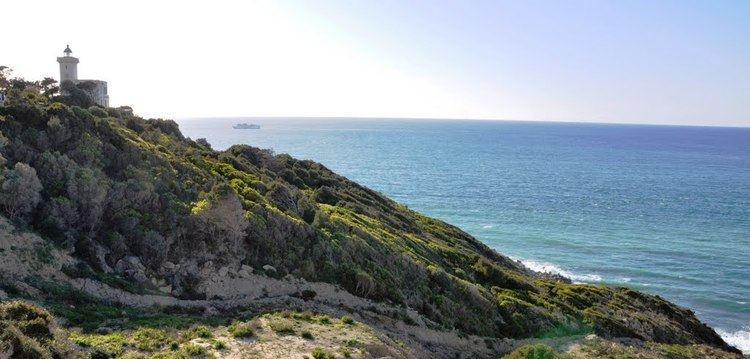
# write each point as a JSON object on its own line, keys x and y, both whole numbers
{"x": 149, "y": 339}
{"x": 347, "y": 320}
{"x": 110, "y": 344}
{"x": 86, "y": 312}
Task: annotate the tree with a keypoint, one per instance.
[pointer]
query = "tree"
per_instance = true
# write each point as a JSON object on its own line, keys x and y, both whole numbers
{"x": 19, "y": 193}
{"x": 48, "y": 87}
{"x": 220, "y": 220}
{"x": 75, "y": 95}
{"x": 4, "y": 77}
{"x": 88, "y": 190}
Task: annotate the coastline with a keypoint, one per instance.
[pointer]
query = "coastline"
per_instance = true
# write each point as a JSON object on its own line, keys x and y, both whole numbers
{"x": 564, "y": 216}
{"x": 739, "y": 338}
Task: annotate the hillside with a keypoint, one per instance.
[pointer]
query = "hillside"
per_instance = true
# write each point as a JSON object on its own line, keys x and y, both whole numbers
{"x": 116, "y": 223}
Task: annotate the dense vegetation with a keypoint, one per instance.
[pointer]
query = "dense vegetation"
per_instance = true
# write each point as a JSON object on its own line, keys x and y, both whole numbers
{"x": 113, "y": 188}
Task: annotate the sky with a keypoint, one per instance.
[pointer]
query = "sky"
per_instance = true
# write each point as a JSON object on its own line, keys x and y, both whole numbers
{"x": 637, "y": 61}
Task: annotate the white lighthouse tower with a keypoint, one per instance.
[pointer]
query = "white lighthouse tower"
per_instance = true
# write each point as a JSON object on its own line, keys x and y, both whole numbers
{"x": 68, "y": 66}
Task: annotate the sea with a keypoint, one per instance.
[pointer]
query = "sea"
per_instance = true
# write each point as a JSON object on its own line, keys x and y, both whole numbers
{"x": 660, "y": 209}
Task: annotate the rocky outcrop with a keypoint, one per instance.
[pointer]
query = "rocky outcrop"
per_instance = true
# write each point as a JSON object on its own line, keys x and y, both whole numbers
{"x": 132, "y": 267}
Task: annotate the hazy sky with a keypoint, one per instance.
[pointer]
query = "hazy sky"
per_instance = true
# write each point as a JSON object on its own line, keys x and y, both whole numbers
{"x": 680, "y": 62}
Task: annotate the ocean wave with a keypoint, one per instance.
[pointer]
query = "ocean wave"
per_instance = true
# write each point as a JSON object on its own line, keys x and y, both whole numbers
{"x": 739, "y": 339}
{"x": 488, "y": 226}
{"x": 544, "y": 267}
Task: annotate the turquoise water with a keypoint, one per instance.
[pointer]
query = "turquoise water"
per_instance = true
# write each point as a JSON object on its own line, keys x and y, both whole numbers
{"x": 662, "y": 209}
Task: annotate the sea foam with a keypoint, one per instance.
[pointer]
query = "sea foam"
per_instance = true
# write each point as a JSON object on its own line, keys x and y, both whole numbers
{"x": 544, "y": 267}
{"x": 739, "y": 339}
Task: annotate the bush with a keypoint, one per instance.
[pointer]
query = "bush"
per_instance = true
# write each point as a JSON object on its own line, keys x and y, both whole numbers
{"x": 20, "y": 192}
{"x": 98, "y": 111}
{"x": 218, "y": 344}
{"x": 33, "y": 321}
{"x": 282, "y": 326}
{"x": 200, "y": 331}
{"x": 324, "y": 319}
{"x": 319, "y": 353}
{"x": 193, "y": 350}
{"x": 307, "y": 335}
{"x": 148, "y": 339}
{"x": 26, "y": 331}
{"x": 240, "y": 329}
{"x": 347, "y": 320}
{"x": 308, "y": 294}
{"x": 106, "y": 345}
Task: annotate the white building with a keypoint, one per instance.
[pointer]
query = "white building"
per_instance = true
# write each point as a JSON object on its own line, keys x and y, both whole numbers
{"x": 69, "y": 72}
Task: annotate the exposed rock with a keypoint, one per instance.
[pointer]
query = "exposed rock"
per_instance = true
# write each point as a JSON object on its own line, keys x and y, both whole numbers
{"x": 223, "y": 271}
{"x": 168, "y": 265}
{"x": 101, "y": 255}
{"x": 3, "y": 295}
{"x": 243, "y": 273}
{"x": 247, "y": 268}
{"x": 166, "y": 289}
{"x": 132, "y": 267}
{"x": 269, "y": 268}
{"x": 210, "y": 312}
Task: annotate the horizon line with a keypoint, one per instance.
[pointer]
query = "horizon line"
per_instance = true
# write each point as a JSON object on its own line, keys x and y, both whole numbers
{"x": 594, "y": 122}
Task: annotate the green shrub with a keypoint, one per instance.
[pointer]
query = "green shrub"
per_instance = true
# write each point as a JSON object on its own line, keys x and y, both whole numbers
{"x": 110, "y": 344}
{"x": 281, "y": 326}
{"x": 319, "y": 353}
{"x": 200, "y": 331}
{"x": 148, "y": 339}
{"x": 324, "y": 319}
{"x": 193, "y": 350}
{"x": 98, "y": 111}
{"x": 347, "y": 320}
{"x": 306, "y": 316}
{"x": 31, "y": 320}
{"x": 240, "y": 329}
{"x": 218, "y": 344}
{"x": 307, "y": 335}
{"x": 27, "y": 331}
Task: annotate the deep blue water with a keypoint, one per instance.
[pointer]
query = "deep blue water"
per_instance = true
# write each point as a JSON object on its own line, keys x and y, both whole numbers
{"x": 663, "y": 209}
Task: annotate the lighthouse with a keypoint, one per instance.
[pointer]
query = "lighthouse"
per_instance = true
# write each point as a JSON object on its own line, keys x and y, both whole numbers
{"x": 68, "y": 66}
{"x": 97, "y": 89}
